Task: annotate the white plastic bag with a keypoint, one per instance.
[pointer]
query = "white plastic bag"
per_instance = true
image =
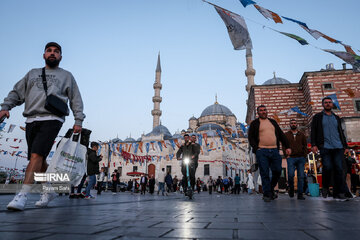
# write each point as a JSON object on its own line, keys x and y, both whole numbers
{"x": 70, "y": 158}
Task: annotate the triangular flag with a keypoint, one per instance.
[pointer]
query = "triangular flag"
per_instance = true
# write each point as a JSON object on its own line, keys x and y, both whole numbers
{"x": 268, "y": 14}
{"x": 335, "y": 100}
{"x": 352, "y": 59}
{"x": 247, "y": 2}
{"x": 297, "y": 38}
{"x": 237, "y": 29}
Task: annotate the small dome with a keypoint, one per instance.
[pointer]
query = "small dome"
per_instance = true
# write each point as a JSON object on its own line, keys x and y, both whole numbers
{"x": 177, "y": 135}
{"x": 139, "y": 139}
{"x": 192, "y": 118}
{"x": 158, "y": 130}
{"x": 116, "y": 140}
{"x": 130, "y": 139}
{"x": 216, "y": 109}
{"x": 276, "y": 80}
{"x": 210, "y": 126}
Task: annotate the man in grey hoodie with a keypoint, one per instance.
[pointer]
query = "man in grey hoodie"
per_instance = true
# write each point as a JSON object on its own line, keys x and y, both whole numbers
{"x": 42, "y": 126}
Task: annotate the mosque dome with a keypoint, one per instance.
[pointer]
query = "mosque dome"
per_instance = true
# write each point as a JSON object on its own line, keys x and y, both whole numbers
{"x": 177, "y": 135}
{"x": 129, "y": 139}
{"x": 192, "y": 118}
{"x": 276, "y": 80}
{"x": 210, "y": 126}
{"x": 158, "y": 130}
{"x": 216, "y": 109}
{"x": 116, "y": 140}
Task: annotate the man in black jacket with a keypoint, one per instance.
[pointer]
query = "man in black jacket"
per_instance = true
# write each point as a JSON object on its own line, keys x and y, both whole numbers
{"x": 328, "y": 137}
{"x": 92, "y": 167}
{"x": 265, "y": 136}
{"x": 187, "y": 151}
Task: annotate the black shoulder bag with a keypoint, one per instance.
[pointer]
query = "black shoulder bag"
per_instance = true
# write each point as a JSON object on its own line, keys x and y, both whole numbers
{"x": 54, "y": 104}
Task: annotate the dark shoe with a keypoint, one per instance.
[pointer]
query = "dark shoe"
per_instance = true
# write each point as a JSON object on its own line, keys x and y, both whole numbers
{"x": 267, "y": 199}
{"x": 72, "y": 196}
{"x": 325, "y": 192}
{"x": 274, "y": 195}
{"x": 301, "y": 197}
{"x": 341, "y": 197}
{"x": 349, "y": 195}
{"x": 291, "y": 192}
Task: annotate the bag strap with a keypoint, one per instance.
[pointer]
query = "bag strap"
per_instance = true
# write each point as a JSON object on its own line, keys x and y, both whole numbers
{"x": 44, "y": 80}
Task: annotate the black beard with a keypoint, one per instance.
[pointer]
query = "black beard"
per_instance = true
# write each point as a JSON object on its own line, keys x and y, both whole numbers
{"x": 52, "y": 63}
{"x": 293, "y": 128}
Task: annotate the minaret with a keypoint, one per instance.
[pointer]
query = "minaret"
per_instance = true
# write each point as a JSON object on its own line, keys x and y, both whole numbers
{"x": 249, "y": 72}
{"x": 156, "y": 112}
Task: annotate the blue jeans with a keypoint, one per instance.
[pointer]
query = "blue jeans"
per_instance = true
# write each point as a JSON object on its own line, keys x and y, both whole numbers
{"x": 269, "y": 158}
{"x": 161, "y": 187}
{"x": 297, "y": 163}
{"x": 332, "y": 160}
{"x": 91, "y": 184}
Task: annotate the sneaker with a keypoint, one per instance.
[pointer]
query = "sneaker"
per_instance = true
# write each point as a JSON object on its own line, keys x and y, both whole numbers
{"x": 18, "y": 203}
{"x": 274, "y": 195}
{"x": 80, "y": 195}
{"x": 301, "y": 197}
{"x": 267, "y": 199}
{"x": 89, "y": 197}
{"x": 45, "y": 199}
{"x": 72, "y": 195}
{"x": 341, "y": 197}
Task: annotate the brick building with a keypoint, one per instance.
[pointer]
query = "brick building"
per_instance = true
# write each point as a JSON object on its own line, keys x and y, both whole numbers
{"x": 279, "y": 95}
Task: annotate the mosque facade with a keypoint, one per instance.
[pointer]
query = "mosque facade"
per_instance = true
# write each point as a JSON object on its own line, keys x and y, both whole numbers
{"x": 224, "y": 148}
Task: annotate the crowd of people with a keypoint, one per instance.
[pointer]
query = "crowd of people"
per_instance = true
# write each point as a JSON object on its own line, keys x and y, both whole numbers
{"x": 46, "y": 92}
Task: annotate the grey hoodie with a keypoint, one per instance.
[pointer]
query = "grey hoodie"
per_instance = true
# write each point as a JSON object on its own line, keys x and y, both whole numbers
{"x": 30, "y": 90}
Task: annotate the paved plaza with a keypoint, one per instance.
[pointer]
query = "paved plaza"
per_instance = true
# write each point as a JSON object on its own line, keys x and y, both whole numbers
{"x": 127, "y": 216}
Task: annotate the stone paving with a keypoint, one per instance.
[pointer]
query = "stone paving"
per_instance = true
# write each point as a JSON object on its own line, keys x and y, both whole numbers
{"x": 127, "y": 216}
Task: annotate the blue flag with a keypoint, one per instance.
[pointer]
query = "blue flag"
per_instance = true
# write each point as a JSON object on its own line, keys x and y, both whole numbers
{"x": 221, "y": 138}
{"x": 297, "y": 110}
{"x": 335, "y": 100}
{"x": 296, "y": 21}
{"x": 247, "y": 2}
{"x": 2, "y": 125}
{"x": 147, "y": 145}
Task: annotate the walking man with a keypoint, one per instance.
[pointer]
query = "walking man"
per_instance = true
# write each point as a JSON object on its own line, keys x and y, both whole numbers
{"x": 237, "y": 184}
{"x": 161, "y": 181}
{"x": 92, "y": 167}
{"x": 43, "y": 123}
{"x": 265, "y": 136}
{"x": 143, "y": 183}
{"x": 297, "y": 159}
{"x": 187, "y": 150}
{"x": 328, "y": 137}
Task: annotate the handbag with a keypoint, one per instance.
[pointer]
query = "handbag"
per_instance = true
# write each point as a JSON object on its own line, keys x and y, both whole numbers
{"x": 69, "y": 158}
{"x": 54, "y": 104}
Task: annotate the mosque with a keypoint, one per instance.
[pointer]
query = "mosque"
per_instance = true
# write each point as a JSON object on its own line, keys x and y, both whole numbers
{"x": 224, "y": 148}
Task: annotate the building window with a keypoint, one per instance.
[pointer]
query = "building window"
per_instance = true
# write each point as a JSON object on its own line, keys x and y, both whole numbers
{"x": 328, "y": 86}
{"x": 357, "y": 105}
{"x": 135, "y": 168}
{"x": 206, "y": 169}
{"x": 120, "y": 171}
{"x": 168, "y": 169}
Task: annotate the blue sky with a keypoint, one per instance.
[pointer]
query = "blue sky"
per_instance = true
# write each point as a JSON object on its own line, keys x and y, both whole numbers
{"x": 111, "y": 48}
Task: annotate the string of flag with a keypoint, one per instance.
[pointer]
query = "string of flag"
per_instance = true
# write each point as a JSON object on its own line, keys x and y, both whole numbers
{"x": 240, "y": 38}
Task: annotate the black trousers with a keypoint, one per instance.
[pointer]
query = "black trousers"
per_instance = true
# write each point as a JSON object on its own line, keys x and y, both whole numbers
{"x": 192, "y": 171}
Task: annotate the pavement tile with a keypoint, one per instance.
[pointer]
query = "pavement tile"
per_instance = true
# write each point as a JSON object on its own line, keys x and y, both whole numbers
{"x": 137, "y": 232}
{"x": 181, "y": 225}
{"x": 200, "y": 233}
{"x": 238, "y": 225}
{"x": 21, "y": 235}
{"x": 292, "y": 225}
{"x": 334, "y": 234}
{"x": 278, "y": 235}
